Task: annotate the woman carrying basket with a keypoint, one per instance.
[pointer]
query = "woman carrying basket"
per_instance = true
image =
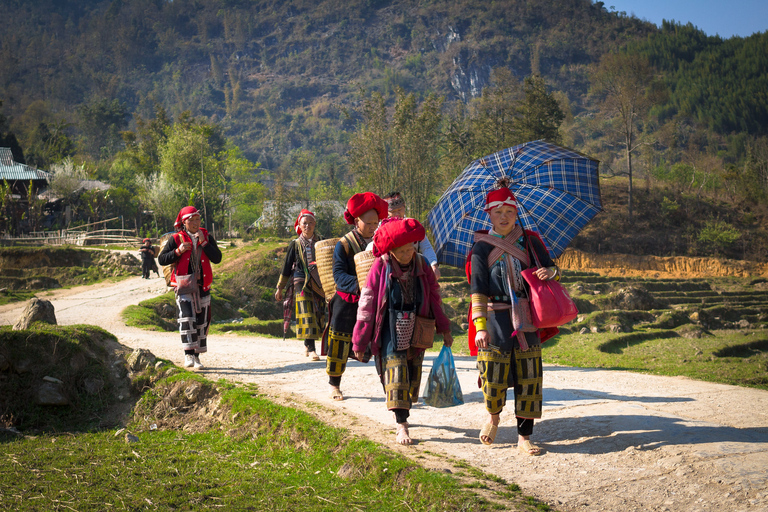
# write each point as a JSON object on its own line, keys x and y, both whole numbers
{"x": 364, "y": 211}
{"x": 400, "y": 301}
{"x": 300, "y": 275}
{"x": 193, "y": 250}
{"x": 507, "y": 345}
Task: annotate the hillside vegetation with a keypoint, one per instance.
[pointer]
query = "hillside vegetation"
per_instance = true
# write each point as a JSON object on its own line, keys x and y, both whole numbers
{"x": 227, "y": 103}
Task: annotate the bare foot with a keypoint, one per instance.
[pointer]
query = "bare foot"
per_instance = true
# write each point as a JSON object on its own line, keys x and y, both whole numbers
{"x": 403, "y": 436}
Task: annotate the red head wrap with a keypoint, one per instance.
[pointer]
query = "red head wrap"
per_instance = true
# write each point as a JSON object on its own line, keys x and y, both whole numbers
{"x": 303, "y": 213}
{"x": 394, "y": 233}
{"x": 358, "y": 204}
{"x": 500, "y": 197}
{"x": 146, "y": 240}
{"x": 184, "y": 214}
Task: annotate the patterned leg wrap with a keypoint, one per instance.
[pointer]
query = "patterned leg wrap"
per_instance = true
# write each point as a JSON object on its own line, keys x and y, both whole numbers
{"x": 528, "y": 396}
{"x": 193, "y": 327}
{"x": 494, "y": 374}
{"x": 396, "y": 383}
{"x": 339, "y": 345}
{"x": 306, "y": 320}
{"x": 414, "y": 374}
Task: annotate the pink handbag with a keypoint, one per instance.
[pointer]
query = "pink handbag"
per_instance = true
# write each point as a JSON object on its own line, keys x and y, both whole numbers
{"x": 550, "y": 304}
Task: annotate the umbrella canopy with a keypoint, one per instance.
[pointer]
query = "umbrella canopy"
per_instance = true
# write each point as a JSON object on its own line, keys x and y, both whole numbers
{"x": 557, "y": 190}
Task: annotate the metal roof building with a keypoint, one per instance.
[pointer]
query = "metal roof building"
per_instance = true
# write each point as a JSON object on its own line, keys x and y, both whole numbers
{"x": 14, "y": 171}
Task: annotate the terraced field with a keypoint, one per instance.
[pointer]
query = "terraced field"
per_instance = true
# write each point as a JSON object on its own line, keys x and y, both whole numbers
{"x": 713, "y": 329}
{"x": 715, "y": 303}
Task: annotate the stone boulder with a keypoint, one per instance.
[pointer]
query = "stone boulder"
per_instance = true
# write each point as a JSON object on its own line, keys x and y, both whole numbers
{"x": 634, "y": 298}
{"x": 36, "y": 310}
{"x": 140, "y": 359}
{"x": 51, "y": 392}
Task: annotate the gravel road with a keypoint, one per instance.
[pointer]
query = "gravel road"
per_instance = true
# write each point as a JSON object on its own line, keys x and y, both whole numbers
{"x": 612, "y": 440}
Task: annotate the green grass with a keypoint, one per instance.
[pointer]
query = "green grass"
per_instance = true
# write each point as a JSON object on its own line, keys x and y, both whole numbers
{"x": 260, "y": 456}
{"x": 724, "y": 356}
{"x": 251, "y": 326}
{"x": 146, "y": 314}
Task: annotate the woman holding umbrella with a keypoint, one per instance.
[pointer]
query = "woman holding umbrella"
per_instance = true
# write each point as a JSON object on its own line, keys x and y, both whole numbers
{"x": 400, "y": 286}
{"x": 508, "y": 345}
{"x": 300, "y": 276}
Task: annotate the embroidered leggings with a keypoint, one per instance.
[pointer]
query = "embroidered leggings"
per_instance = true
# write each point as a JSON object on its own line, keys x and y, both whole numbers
{"x": 520, "y": 370}
{"x": 193, "y": 327}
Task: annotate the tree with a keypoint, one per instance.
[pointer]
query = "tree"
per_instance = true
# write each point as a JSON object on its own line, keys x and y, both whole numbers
{"x": 401, "y": 152}
{"x": 627, "y": 87}
{"x": 101, "y": 123}
{"x": 50, "y": 144}
{"x": 540, "y": 115}
{"x": 66, "y": 178}
{"x": 162, "y": 197}
{"x": 494, "y": 115}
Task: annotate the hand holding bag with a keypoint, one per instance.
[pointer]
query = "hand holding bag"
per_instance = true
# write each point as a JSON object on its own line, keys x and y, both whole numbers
{"x": 443, "y": 388}
{"x": 550, "y": 304}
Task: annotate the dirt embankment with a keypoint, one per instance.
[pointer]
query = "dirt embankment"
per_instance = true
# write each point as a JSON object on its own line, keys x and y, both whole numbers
{"x": 660, "y": 266}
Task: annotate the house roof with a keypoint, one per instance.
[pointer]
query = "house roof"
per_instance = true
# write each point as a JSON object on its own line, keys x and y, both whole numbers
{"x": 14, "y": 171}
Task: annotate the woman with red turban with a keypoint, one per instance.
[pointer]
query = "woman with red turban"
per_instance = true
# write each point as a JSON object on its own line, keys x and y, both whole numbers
{"x": 400, "y": 286}
{"x": 192, "y": 249}
{"x": 507, "y": 345}
{"x": 364, "y": 211}
{"x": 300, "y": 275}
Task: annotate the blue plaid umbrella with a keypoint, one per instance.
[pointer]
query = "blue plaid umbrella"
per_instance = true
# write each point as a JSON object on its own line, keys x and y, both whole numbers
{"x": 557, "y": 190}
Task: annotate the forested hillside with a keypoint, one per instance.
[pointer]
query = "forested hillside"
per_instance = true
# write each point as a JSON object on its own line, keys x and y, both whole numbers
{"x": 257, "y": 96}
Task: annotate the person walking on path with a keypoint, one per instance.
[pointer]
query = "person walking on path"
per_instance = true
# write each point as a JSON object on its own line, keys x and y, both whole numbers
{"x": 148, "y": 259}
{"x": 396, "y": 208}
{"x": 507, "y": 345}
{"x": 364, "y": 211}
{"x": 192, "y": 249}
{"x": 300, "y": 276}
{"x": 400, "y": 290}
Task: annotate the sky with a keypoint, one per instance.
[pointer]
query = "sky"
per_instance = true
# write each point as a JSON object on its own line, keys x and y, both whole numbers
{"x": 715, "y": 17}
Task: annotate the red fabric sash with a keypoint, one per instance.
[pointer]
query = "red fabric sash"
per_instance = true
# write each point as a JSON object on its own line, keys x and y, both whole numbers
{"x": 504, "y": 245}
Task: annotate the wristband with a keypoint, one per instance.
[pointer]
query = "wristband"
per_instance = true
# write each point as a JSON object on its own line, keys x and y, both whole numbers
{"x": 481, "y": 323}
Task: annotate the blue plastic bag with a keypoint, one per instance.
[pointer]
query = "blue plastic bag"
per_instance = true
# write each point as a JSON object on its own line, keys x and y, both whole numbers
{"x": 443, "y": 388}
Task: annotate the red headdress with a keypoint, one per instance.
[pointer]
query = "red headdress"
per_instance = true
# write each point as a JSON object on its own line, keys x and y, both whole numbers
{"x": 500, "y": 197}
{"x": 394, "y": 233}
{"x": 358, "y": 204}
{"x": 303, "y": 213}
{"x": 146, "y": 240}
{"x": 184, "y": 214}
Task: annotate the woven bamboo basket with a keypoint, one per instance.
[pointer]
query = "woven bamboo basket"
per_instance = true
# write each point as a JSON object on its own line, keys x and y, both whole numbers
{"x": 363, "y": 263}
{"x": 324, "y": 258}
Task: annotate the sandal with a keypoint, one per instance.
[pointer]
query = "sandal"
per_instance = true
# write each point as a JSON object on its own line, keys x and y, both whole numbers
{"x": 336, "y": 394}
{"x": 528, "y": 448}
{"x": 403, "y": 436}
{"x": 489, "y": 430}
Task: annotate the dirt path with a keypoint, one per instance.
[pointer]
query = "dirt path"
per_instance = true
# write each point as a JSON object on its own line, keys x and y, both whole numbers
{"x": 613, "y": 440}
